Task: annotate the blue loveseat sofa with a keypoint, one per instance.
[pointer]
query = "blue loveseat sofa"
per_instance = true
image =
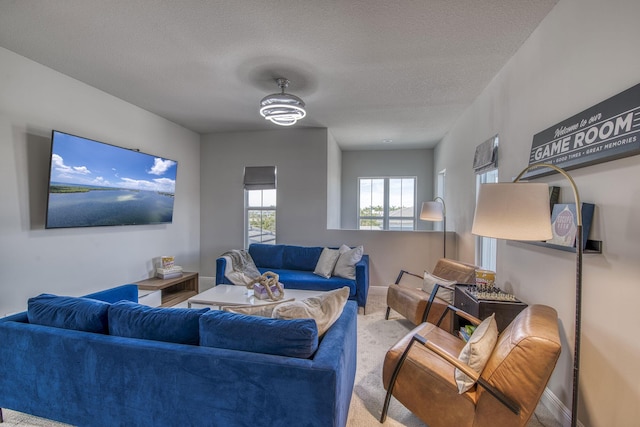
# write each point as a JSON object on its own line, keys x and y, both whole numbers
{"x": 100, "y": 379}
{"x": 295, "y": 266}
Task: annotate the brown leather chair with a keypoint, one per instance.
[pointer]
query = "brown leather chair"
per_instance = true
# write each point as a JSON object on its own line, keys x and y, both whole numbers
{"x": 414, "y": 304}
{"x": 419, "y": 372}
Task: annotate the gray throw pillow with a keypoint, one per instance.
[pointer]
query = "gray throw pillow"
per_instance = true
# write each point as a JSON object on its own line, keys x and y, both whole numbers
{"x": 346, "y": 264}
{"x": 326, "y": 262}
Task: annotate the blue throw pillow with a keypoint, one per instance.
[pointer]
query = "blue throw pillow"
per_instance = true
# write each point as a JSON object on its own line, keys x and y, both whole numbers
{"x": 267, "y": 256}
{"x": 291, "y": 338}
{"x": 176, "y": 325}
{"x": 80, "y": 314}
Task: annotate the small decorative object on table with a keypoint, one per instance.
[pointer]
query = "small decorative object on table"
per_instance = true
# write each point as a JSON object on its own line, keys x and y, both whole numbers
{"x": 267, "y": 286}
{"x": 169, "y": 273}
{"x": 485, "y": 278}
{"x": 167, "y": 262}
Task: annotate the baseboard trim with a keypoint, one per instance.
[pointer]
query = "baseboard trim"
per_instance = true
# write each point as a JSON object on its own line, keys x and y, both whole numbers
{"x": 560, "y": 413}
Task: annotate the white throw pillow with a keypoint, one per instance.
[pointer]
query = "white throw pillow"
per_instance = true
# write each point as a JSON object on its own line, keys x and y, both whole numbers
{"x": 477, "y": 351}
{"x": 429, "y": 282}
{"x": 326, "y": 262}
{"x": 324, "y": 308}
{"x": 346, "y": 265}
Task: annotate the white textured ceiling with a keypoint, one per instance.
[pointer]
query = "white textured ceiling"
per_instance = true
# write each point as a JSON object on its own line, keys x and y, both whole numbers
{"x": 368, "y": 70}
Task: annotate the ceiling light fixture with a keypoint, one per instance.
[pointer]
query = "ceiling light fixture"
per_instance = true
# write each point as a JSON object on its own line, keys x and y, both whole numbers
{"x": 282, "y": 108}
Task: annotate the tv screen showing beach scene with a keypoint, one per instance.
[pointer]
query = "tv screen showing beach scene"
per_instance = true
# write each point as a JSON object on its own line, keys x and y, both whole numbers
{"x": 94, "y": 184}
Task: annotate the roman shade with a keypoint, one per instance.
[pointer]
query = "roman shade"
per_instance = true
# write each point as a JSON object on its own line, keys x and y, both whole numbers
{"x": 486, "y": 155}
{"x": 259, "y": 177}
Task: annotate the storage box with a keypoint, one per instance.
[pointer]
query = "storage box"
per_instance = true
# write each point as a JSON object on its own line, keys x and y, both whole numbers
{"x": 260, "y": 291}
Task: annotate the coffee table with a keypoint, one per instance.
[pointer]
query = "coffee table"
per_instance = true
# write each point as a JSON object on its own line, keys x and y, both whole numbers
{"x": 224, "y": 295}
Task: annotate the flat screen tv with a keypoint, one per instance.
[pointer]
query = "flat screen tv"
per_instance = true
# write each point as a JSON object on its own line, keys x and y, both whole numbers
{"x": 94, "y": 184}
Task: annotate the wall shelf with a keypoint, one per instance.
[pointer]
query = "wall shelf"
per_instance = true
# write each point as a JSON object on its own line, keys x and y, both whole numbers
{"x": 592, "y": 246}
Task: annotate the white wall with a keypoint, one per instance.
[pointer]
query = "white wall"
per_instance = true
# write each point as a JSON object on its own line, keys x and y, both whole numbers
{"x": 334, "y": 182}
{"x": 381, "y": 163}
{"x": 34, "y": 100}
{"x": 302, "y": 161}
{"x": 584, "y": 52}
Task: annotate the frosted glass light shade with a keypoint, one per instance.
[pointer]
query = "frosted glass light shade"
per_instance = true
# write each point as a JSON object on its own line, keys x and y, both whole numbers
{"x": 513, "y": 211}
{"x": 432, "y": 211}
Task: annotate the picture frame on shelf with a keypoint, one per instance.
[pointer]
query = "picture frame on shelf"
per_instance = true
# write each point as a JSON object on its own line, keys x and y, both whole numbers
{"x": 564, "y": 224}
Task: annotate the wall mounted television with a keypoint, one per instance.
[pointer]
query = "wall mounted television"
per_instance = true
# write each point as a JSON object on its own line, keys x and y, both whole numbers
{"x": 94, "y": 184}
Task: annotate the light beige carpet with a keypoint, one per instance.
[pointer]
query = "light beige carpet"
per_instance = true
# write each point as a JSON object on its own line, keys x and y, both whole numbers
{"x": 375, "y": 336}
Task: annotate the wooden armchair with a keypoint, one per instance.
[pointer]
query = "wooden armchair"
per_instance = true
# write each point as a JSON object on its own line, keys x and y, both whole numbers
{"x": 419, "y": 371}
{"x": 418, "y": 306}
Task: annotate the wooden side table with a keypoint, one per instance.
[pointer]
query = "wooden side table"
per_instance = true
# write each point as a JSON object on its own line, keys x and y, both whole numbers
{"x": 173, "y": 291}
{"x": 505, "y": 311}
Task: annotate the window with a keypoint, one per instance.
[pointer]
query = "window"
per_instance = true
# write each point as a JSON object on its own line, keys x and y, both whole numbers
{"x": 440, "y": 186}
{"x": 386, "y": 203}
{"x": 260, "y": 216}
{"x": 486, "y": 247}
{"x": 485, "y": 164}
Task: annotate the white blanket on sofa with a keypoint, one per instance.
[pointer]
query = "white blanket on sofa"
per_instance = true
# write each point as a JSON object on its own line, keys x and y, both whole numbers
{"x": 240, "y": 268}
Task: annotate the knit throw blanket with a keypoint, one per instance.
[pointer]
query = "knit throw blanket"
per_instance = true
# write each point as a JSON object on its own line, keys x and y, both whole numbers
{"x": 241, "y": 270}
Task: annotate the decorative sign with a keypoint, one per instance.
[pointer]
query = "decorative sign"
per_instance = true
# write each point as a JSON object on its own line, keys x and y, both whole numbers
{"x": 607, "y": 131}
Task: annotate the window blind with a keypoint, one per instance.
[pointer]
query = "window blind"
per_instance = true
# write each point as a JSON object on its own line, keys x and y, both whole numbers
{"x": 486, "y": 156}
{"x": 259, "y": 177}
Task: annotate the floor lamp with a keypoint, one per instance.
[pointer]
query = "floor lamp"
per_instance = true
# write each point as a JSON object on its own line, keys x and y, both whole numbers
{"x": 436, "y": 211}
{"x": 520, "y": 211}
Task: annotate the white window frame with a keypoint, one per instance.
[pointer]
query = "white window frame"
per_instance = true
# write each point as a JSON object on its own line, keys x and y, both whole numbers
{"x": 247, "y": 238}
{"x": 486, "y": 247}
{"x": 385, "y": 216}
{"x": 440, "y": 192}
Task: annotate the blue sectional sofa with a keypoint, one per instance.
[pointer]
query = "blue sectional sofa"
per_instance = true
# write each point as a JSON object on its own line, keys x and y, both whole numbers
{"x": 295, "y": 266}
{"x": 95, "y": 378}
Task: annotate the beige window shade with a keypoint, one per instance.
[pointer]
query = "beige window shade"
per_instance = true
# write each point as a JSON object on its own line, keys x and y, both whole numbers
{"x": 259, "y": 177}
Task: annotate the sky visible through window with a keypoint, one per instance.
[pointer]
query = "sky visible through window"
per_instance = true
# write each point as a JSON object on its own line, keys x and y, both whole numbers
{"x": 387, "y": 203}
{"x": 262, "y": 198}
{"x": 401, "y": 192}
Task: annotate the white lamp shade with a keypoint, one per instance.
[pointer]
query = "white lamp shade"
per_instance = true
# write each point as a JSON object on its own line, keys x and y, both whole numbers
{"x": 432, "y": 211}
{"x": 513, "y": 211}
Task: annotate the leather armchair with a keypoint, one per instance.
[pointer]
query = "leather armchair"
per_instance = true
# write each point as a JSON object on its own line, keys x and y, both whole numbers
{"x": 418, "y": 306}
{"x": 419, "y": 372}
